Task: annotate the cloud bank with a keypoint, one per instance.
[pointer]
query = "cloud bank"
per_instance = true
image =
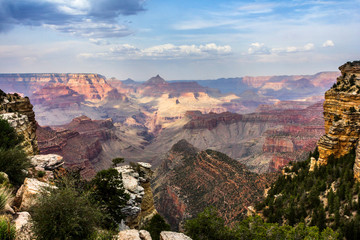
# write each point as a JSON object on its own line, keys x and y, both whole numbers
{"x": 165, "y": 51}
{"x": 95, "y": 18}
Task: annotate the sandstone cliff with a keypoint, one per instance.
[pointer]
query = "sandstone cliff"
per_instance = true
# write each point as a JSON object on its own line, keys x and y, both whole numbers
{"x": 18, "y": 111}
{"x": 341, "y": 115}
{"x": 188, "y": 180}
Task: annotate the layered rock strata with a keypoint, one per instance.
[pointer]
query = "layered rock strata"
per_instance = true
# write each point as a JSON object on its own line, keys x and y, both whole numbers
{"x": 18, "y": 111}
{"x": 188, "y": 180}
{"x": 342, "y": 115}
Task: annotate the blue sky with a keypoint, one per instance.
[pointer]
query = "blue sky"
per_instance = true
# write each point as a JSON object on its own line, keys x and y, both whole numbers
{"x": 202, "y": 39}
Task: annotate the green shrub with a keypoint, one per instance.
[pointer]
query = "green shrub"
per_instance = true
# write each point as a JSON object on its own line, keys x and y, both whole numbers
{"x": 109, "y": 193}
{"x": 64, "y": 214}
{"x": 40, "y": 174}
{"x": 8, "y": 136}
{"x": 7, "y": 230}
{"x": 14, "y": 163}
{"x": 5, "y": 197}
{"x": 156, "y": 225}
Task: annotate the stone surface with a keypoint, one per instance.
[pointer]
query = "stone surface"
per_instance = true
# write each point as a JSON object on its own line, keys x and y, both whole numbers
{"x": 27, "y": 194}
{"x": 23, "y": 226}
{"x": 19, "y": 113}
{"x": 342, "y": 115}
{"x": 132, "y": 234}
{"x": 144, "y": 235}
{"x": 140, "y": 208}
{"x": 48, "y": 162}
{"x": 165, "y": 235}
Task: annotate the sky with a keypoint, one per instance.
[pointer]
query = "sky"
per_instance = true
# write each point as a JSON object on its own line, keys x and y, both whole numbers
{"x": 178, "y": 39}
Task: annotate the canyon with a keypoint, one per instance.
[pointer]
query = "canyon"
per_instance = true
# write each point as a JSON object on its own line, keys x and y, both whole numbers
{"x": 140, "y": 121}
{"x": 212, "y": 179}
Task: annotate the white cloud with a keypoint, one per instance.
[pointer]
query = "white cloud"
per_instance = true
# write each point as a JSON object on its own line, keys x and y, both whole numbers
{"x": 260, "y": 49}
{"x": 165, "y": 51}
{"x": 328, "y": 43}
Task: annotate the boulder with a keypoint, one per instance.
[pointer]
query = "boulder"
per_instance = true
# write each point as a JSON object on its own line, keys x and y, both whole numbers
{"x": 26, "y": 195}
{"x": 165, "y": 235}
{"x": 129, "y": 235}
{"x": 23, "y": 226}
{"x": 47, "y": 162}
{"x": 144, "y": 235}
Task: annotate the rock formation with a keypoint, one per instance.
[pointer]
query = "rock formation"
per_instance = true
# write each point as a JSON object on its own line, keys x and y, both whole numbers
{"x": 18, "y": 111}
{"x": 341, "y": 114}
{"x": 140, "y": 207}
{"x": 188, "y": 180}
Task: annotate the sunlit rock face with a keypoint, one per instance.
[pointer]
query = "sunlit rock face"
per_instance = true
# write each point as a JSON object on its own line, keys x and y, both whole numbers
{"x": 18, "y": 111}
{"x": 341, "y": 114}
{"x": 188, "y": 180}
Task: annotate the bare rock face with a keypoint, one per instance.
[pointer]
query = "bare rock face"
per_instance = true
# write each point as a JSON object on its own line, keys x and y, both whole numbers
{"x": 140, "y": 207}
{"x": 165, "y": 235}
{"x": 47, "y": 162}
{"x": 79, "y": 143}
{"x": 27, "y": 194}
{"x": 188, "y": 180}
{"x": 18, "y": 111}
{"x": 341, "y": 114}
{"x": 129, "y": 235}
{"x": 23, "y": 226}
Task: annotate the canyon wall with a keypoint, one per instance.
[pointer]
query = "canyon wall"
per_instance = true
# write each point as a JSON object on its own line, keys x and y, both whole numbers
{"x": 188, "y": 180}
{"x": 18, "y": 111}
{"x": 341, "y": 114}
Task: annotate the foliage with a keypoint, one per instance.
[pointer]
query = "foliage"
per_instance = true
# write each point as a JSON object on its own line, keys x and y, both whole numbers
{"x": 63, "y": 213}
{"x": 14, "y": 163}
{"x": 117, "y": 161}
{"x": 13, "y": 160}
{"x": 40, "y": 174}
{"x": 8, "y": 136}
{"x": 7, "y": 230}
{"x": 108, "y": 192}
{"x": 104, "y": 235}
{"x": 209, "y": 226}
{"x": 291, "y": 200}
{"x": 5, "y": 197}
{"x": 156, "y": 225}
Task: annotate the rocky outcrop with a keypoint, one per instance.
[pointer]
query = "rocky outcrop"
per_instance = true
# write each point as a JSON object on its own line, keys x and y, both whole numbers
{"x": 188, "y": 180}
{"x": 26, "y": 196}
{"x": 18, "y": 111}
{"x": 23, "y": 226}
{"x": 166, "y": 235}
{"x": 341, "y": 114}
{"x": 145, "y": 235}
{"x": 140, "y": 207}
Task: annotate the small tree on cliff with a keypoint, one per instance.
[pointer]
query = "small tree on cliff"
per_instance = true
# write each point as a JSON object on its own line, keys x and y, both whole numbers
{"x": 117, "y": 161}
{"x": 108, "y": 191}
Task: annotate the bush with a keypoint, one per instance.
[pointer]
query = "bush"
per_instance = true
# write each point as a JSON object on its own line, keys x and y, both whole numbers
{"x": 14, "y": 163}
{"x": 109, "y": 193}
{"x": 40, "y": 174}
{"x": 156, "y": 225}
{"x": 7, "y": 230}
{"x": 207, "y": 226}
{"x": 64, "y": 214}
{"x": 8, "y": 136}
{"x": 5, "y": 197}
